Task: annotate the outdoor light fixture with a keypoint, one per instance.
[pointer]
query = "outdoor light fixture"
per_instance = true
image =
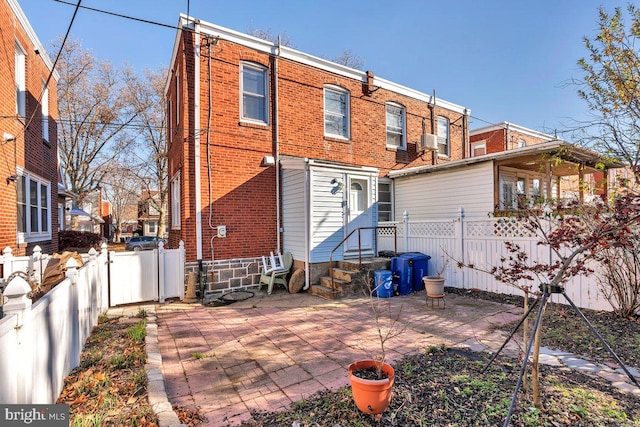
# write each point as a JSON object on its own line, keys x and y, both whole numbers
{"x": 8, "y": 137}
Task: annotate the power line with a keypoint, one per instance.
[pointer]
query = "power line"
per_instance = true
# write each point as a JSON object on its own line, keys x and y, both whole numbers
{"x": 132, "y": 18}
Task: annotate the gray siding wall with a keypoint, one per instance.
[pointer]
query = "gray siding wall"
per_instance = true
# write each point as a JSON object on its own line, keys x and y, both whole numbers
{"x": 293, "y": 212}
{"x": 327, "y": 214}
{"x": 439, "y": 195}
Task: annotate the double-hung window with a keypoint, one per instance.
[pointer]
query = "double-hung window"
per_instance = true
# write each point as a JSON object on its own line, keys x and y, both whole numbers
{"x": 175, "y": 202}
{"x": 45, "y": 112}
{"x": 336, "y": 112}
{"x": 396, "y": 129}
{"x": 443, "y": 136}
{"x": 34, "y": 208}
{"x": 255, "y": 100}
{"x": 385, "y": 200}
{"x": 21, "y": 86}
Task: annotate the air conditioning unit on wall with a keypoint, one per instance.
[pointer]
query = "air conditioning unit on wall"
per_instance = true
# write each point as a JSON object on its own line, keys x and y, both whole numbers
{"x": 428, "y": 142}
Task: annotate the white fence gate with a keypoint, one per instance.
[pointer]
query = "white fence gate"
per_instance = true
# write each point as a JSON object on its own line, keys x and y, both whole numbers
{"x": 40, "y": 343}
{"x": 480, "y": 241}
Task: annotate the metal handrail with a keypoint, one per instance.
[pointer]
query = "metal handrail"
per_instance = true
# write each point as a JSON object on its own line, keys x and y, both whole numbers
{"x": 395, "y": 245}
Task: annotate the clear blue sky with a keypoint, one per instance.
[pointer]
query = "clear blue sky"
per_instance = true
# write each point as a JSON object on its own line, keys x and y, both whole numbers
{"x": 506, "y": 60}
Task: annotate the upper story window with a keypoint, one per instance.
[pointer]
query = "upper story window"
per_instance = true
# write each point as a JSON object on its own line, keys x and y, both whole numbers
{"x": 396, "y": 129}
{"x": 34, "y": 208}
{"x": 443, "y": 136}
{"x": 336, "y": 112}
{"x": 521, "y": 143}
{"x": 45, "y": 112}
{"x": 21, "y": 87}
{"x": 255, "y": 102}
{"x": 478, "y": 148}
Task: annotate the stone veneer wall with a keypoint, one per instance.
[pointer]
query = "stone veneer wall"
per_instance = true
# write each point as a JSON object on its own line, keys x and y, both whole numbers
{"x": 229, "y": 274}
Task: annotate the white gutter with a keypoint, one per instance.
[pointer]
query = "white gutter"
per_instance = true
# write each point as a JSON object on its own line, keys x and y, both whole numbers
{"x": 196, "y": 137}
{"x": 307, "y": 226}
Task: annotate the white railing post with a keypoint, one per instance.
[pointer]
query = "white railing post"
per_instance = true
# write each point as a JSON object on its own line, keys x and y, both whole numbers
{"x": 19, "y": 304}
{"x": 7, "y": 269}
{"x": 161, "y": 271}
{"x": 181, "y": 268}
{"x": 459, "y": 226}
{"x": 405, "y": 219}
{"x": 75, "y": 349}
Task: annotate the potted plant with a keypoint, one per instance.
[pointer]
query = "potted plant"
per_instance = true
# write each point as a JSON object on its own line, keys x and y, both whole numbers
{"x": 434, "y": 285}
{"x": 372, "y": 379}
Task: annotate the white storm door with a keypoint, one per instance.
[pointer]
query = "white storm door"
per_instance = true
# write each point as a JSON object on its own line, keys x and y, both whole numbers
{"x": 358, "y": 214}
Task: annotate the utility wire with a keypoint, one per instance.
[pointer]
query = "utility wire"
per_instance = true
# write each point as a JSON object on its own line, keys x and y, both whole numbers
{"x": 46, "y": 85}
{"x": 132, "y": 18}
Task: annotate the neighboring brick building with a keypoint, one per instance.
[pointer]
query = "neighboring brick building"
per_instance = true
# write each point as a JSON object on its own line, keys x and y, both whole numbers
{"x": 503, "y": 136}
{"x": 29, "y": 204}
{"x": 242, "y": 111}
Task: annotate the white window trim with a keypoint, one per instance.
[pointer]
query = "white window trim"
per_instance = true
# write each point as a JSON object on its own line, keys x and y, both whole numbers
{"x": 448, "y": 154}
{"x": 176, "y": 202}
{"x": 21, "y": 80}
{"x": 29, "y": 236}
{"x": 342, "y": 91}
{"x": 392, "y": 197}
{"x": 476, "y": 145}
{"x": 265, "y": 72}
{"x": 403, "y": 113}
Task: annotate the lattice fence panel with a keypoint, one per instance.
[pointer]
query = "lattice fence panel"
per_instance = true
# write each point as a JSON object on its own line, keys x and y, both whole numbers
{"x": 501, "y": 227}
{"x": 432, "y": 229}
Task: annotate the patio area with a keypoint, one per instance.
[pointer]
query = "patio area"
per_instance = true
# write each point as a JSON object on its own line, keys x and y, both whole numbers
{"x": 269, "y": 351}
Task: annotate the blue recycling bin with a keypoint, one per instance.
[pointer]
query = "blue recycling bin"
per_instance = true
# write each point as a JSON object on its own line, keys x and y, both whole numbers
{"x": 383, "y": 283}
{"x": 401, "y": 271}
{"x": 419, "y": 265}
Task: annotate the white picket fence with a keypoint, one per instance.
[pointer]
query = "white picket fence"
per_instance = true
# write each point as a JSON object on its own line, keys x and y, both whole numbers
{"x": 41, "y": 343}
{"x": 481, "y": 242}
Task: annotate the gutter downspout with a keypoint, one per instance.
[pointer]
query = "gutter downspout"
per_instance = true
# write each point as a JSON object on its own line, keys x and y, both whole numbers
{"x": 277, "y": 143}
{"x": 196, "y": 141}
{"x": 465, "y": 133}
{"x": 432, "y": 107}
{"x": 508, "y": 138}
{"x": 307, "y": 227}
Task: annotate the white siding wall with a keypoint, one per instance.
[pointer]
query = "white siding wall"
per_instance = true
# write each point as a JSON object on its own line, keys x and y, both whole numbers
{"x": 440, "y": 194}
{"x": 293, "y": 212}
{"x": 327, "y": 214}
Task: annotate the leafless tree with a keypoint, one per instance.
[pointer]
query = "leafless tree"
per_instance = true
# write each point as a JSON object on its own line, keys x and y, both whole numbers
{"x": 95, "y": 107}
{"x": 150, "y": 156}
{"x": 269, "y": 35}
{"x": 349, "y": 59}
{"x": 121, "y": 188}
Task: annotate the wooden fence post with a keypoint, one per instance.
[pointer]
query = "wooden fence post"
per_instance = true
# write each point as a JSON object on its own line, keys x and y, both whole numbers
{"x": 19, "y": 304}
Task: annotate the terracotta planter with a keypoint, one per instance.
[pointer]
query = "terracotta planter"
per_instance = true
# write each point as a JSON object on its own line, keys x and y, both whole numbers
{"x": 371, "y": 396}
{"x": 434, "y": 285}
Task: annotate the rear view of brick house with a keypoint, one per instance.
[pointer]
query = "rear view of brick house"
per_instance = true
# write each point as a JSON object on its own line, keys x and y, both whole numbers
{"x": 29, "y": 205}
{"x": 274, "y": 150}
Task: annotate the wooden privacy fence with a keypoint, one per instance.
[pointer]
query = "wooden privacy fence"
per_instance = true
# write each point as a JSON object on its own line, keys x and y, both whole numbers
{"x": 481, "y": 242}
{"x": 41, "y": 342}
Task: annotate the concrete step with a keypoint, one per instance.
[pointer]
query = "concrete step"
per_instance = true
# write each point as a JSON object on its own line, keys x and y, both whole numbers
{"x": 324, "y": 292}
{"x": 343, "y": 274}
{"x": 369, "y": 264}
{"x": 338, "y": 284}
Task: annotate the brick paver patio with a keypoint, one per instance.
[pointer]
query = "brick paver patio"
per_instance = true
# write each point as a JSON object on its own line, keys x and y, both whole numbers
{"x": 269, "y": 351}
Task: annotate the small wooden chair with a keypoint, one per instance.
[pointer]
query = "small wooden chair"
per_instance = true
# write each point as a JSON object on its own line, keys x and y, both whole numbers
{"x": 275, "y": 270}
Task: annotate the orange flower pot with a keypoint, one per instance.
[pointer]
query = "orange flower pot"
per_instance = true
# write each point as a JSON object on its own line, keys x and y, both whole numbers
{"x": 371, "y": 396}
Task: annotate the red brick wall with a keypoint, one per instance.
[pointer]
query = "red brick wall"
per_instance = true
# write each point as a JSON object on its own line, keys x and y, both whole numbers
{"x": 28, "y": 152}
{"x": 236, "y": 190}
{"x": 495, "y": 140}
